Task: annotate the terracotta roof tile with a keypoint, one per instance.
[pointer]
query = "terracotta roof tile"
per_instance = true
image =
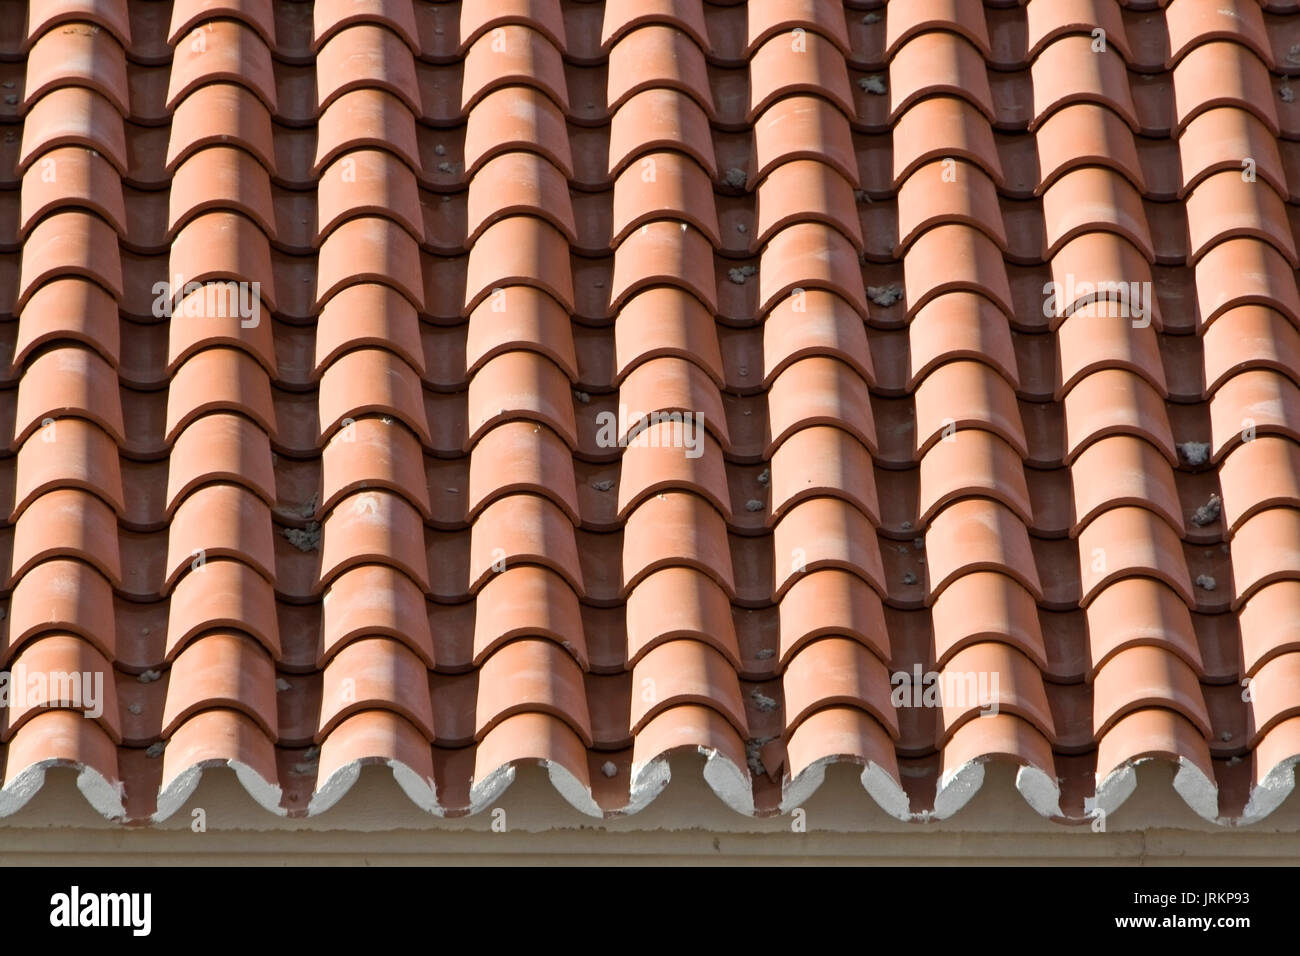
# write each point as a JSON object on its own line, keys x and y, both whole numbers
{"x": 751, "y": 353}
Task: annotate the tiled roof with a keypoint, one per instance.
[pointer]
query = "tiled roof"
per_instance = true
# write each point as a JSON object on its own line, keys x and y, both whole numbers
{"x": 389, "y": 512}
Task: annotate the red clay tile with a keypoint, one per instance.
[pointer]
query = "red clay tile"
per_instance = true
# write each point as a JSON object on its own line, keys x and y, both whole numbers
{"x": 1222, "y": 73}
{"x": 1067, "y": 71}
{"x": 222, "y": 51}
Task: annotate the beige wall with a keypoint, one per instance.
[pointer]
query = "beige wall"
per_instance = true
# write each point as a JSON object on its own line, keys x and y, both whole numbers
{"x": 375, "y": 823}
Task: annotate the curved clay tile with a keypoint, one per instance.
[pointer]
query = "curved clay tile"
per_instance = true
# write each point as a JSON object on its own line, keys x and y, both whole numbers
{"x": 531, "y": 676}
{"x": 1256, "y": 402}
{"x": 664, "y": 252}
{"x": 1223, "y": 73}
{"x": 366, "y": 118}
{"x": 112, "y": 15}
{"x": 662, "y": 322}
{"x": 221, "y": 245}
{"x": 670, "y": 385}
{"x": 821, "y": 461}
{"x": 834, "y": 672}
{"x": 515, "y": 118}
{"x": 1005, "y": 737}
{"x": 620, "y": 16}
{"x": 221, "y": 737}
{"x": 1272, "y": 695}
{"x": 810, "y": 255}
{"x": 222, "y": 51}
{"x": 805, "y": 191}
{"x": 679, "y": 602}
{"x": 367, "y": 182}
{"x": 221, "y": 114}
{"x": 1270, "y": 624}
{"x": 1124, "y": 470}
{"x": 1143, "y": 677}
{"x": 219, "y": 379}
{"x": 783, "y": 16}
{"x": 61, "y": 595}
{"x": 966, "y": 394}
{"x": 520, "y": 250}
{"x": 220, "y": 521}
{"x": 1095, "y": 337}
{"x": 1129, "y": 541}
{"x": 1048, "y": 20}
{"x": 1265, "y": 549}
{"x": 814, "y": 322}
{"x": 531, "y": 738}
{"x": 1241, "y": 271}
{"x": 976, "y": 534}
{"x": 1193, "y": 22}
{"x": 523, "y": 529}
{"x": 67, "y": 522}
{"x": 371, "y": 599}
{"x": 1224, "y": 206}
{"x": 79, "y": 54}
{"x": 819, "y": 391}
{"x": 1219, "y": 139}
{"x": 1068, "y": 71}
{"x": 331, "y": 16}
{"x": 188, "y": 15}
{"x": 682, "y": 672}
{"x": 71, "y": 308}
{"x": 366, "y": 56}
{"x": 369, "y": 249}
{"x": 1102, "y": 267}
{"x": 63, "y": 738}
{"x": 1259, "y": 474}
{"x": 952, "y": 257}
{"x": 543, "y": 15}
{"x": 987, "y": 606}
{"x": 990, "y": 677}
{"x": 844, "y": 734}
{"x": 60, "y": 663}
{"x": 960, "y": 325}
{"x": 368, "y": 315}
{"x": 943, "y": 127}
{"x": 924, "y": 16}
{"x": 676, "y": 529}
{"x": 371, "y": 452}
{"x": 222, "y": 669}
{"x": 221, "y": 313}
{"x": 1116, "y": 401}
{"x": 1249, "y": 337}
{"x": 521, "y": 384}
{"x": 938, "y": 63}
{"x": 220, "y": 447}
{"x": 821, "y": 533}
{"x": 68, "y": 381}
{"x": 375, "y": 673}
{"x": 831, "y": 601}
{"x": 71, "y": 453}
{"x": 655, "y": 461}
{"x": 227, "y": 595}
{"x": 975, "y": 463}
{"x": 373, "y": 526}
{"x": 948, "y": 191}
{"x": 73, "y": 116}
{"x": 528, "y": 601}
{"x": 1140, "y": 612}
{"x": 798, "y": 127}
{"x": 785, "y": 64}
{"x": 1274, "y": 762}
{"x": 513, "y": 55}
{"x": 521, "y": 456}
{"x": 72, "y": 176}
{"x": 519, "y": 318}
{"x": 1083, "y": 135}
{"x": 519, "y": 183}
{"x": 661, "y": 185}
{"x": 1094, "y": 199}
{"x": 71, "y": 242}
{"x": 658, "y": 56}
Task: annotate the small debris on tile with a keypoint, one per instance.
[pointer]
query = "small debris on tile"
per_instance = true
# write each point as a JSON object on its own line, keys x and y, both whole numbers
{"x": 440, "y": 149}
{"x": 909, "y": 578}
{"x": 386, "y": 419}
{"x": 446, "y": 167}
{"x": 1287, "y": 94}
{"x": 1194, "y": 452}
{"x": 741, "y": 228}
{"x": 1293, "y": 54}
{"x": 753, "y": 504}
{"x": 906, "y": 526}
{"x": 861, "y": 196}
{"x": 871, "y": 17}
{"x": 1206, "y": 582}
{"x": 148, "y": 677}
{"x": 1209, "y": 512}
{"x": 307, "y": 766}
{"x": 451, "y": 491}
{"x": 740, "y": 274}
{"x": 744, "y": 371}
{"x": 609, "y": 768}
{"x": 735, "y": 177}
{"x": 885, "y": 295}
{"x": 604, "y": 484}
{"x": 766, "y": 654}
{"x": 134, "y": 708}
{"x": 1226, "y": 736}
{"x": 1233, "y": 761}
{"x": 304, "y": 539}
{"x": 753, "y": 748}
{"x": 762, "y": 701}
{"x": 875, "y": 83}
{"x": 282, "y": 684}
{"x": 765, "y": 476}
{"x": 918, "y": 543}
{"x": 581, "y": 396}
{"x": 155, "y": 750}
